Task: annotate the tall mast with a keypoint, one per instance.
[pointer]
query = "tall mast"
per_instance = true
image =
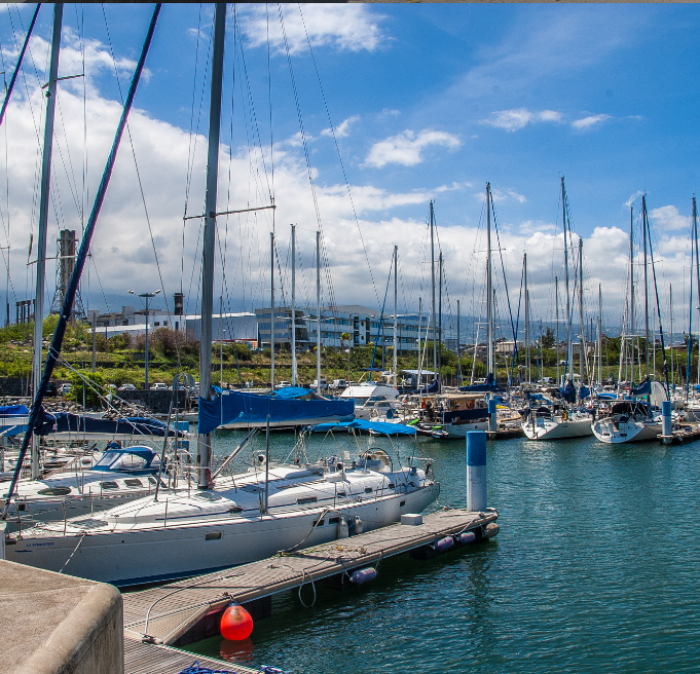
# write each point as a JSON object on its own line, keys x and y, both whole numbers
{"x": 44, "y": 214}
{"x": 556, "y": 325}
{"x": 489, "y": 293}
{"x": 318, "y": 310}
{"x": 294, "y": 317}
{"x": 432, "y": 284}
{"x": 527, "y": 319}
{"x": 420, "y": 324}
{"x": 580, "y": 308}
{"x": 459, "y": 362}
{"x": 670, "y": 311}
{"x": 697, "y": 269}
{"x": 209, "y": 242}
{"x": 272, "y": 311}
{"x": 396, "y": 309}
{"x": 569, "y": 340}
{"x": 600, "y": 335}
{"x": 440, "y": 324}
{"x": 633, "y": 325}
{"x": 646, "y": 284}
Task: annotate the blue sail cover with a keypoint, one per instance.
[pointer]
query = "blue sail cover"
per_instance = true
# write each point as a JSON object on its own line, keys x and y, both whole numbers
{"x": 490, "y": 385}
{"x": 644, "y": 389}
{"x": 13, "y": 410}
{"x": 291, "y": 392}
{"x": 364, "y": 425}
{"x": 64, "y": 422}
{"x": 236, "y": 406}
{"x": 568, "y": 392}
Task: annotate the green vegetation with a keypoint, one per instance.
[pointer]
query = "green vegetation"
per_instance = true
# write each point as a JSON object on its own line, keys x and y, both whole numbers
{"x": 120, "y": 359}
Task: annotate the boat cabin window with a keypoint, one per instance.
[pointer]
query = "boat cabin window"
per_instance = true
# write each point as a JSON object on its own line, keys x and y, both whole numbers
{"x": 334, "y": 520}
{"x": 306, "y": 500}
{"x": 319, "y": 523}
{"x": 109, "y": 485}
{"x": 208, "y": 496}
{"x": 55, "y": 491}
{"x": 130, "y": 461}
{"x": 368, "y": 490}
{"x": 341, "y": 493}
{"x": 212, "y": 536}
{"x": 107, "y": 459}
{"x": 133, "y": 482}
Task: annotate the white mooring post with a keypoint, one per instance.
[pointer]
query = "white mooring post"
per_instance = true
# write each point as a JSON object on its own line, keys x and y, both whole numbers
{"x": 476, "y": 471}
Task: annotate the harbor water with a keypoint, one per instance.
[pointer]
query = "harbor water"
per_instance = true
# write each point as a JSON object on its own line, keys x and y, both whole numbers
{"x": 595, "y": 569}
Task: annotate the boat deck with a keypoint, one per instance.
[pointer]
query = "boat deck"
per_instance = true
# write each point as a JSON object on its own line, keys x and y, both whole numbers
{"x": 189, "y": 610}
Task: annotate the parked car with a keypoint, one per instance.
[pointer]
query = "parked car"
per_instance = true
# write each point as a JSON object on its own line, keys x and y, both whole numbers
{"x": 127, "y": 387}
{"x": 51, "y": 389}
{"x": 323, "y": 387}
{"x": 282, "y": 384}
{"x": 338, "y": 385}
{"x": 159, "y": 386}
{"x": 63, "y": 389}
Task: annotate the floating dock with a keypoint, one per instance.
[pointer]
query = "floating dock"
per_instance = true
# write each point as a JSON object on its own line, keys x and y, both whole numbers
{"x": 681, "y": 434}
{"x": 187, "y": 611}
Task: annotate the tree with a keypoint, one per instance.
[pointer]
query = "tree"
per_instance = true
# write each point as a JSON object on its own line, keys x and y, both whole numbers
{"x": 547, "y": 339}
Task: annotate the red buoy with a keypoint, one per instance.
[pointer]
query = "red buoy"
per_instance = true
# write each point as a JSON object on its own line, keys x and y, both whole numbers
{"x": 236, "y": 623}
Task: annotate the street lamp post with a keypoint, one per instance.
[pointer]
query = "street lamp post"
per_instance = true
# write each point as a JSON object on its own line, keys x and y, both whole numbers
{"x": 146, "y": 296}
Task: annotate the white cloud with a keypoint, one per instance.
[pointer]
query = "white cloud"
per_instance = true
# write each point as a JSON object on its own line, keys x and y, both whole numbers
{"x": 343, "y": 129}
{"x": 668, "y": 218}
{"x": 350, "y": 27}
{"x": 633, "y": 198}
{"x": 519, "y": 118}
{"x": 588, "y": 122}
{"x": 406, "y": 148}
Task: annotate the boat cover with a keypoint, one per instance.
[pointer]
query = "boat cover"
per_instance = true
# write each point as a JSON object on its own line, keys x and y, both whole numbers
{"x": 237, "y": 406}
{"x": 644, "y": 389}
{"x": 64, "y": 422}
{"x": 13, "y": 410}
{"x": 291, "y": 392}
{"x": 490, "y": 385}
{"x": 568, "y": 393}
{"x": 364, "y": 425}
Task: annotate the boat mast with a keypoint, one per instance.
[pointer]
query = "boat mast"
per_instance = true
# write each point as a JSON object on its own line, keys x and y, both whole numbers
{"x": 527, "y": 320}
{"x": 697, "y": 271}
{"x": 489, "y": 293}
{"x": 670, "y": 312}
{"x": 646, "y": 285}
{"x": 459, "y": 362}
{"x": 440, "y": 324}
{"x": 272, "y": 311}
{"x": 600, "y": 335}
{"x": 44, "y": 215}
{"x": 209, "y": 242}
{"x": 690, "y": 306}
{"x": 633, "y": 325}
{"x": 556, "y": 326}
{"x": 569, "y": 341}
{"x": 580, "y": 308}
{"x": 420, "y": 323}
{"x": 396, "y": 309}
{"x": 294, "y": 325}
{"x": 318, "y": 309}
{"x": 432, "y": 284}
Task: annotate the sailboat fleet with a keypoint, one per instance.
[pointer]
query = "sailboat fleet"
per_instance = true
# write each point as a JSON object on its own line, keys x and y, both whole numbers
{"x": 137, "y": 515}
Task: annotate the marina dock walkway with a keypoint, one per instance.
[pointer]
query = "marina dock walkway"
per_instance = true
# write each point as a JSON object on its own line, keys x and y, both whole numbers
{"x": 189, "y": 610}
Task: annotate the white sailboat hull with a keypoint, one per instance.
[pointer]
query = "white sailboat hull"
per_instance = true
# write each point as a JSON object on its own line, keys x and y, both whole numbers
{"x": 176, "y": 551}
{"x": 632, "y": 431}
{"x": 557, "y": 429}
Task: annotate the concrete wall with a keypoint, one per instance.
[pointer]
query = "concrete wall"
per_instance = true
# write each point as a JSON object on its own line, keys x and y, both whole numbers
{"x": 156, "y": 401}
{"x": 53, "y": 623}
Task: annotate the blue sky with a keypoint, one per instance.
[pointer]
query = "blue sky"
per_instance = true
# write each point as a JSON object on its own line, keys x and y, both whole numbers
{"x": 428, "y": 101}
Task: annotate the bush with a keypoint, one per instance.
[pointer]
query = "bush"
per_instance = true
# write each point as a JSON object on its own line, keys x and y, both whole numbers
{"x": 92, "y": 399}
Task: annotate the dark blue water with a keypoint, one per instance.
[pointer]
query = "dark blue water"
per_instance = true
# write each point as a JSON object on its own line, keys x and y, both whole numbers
{"x": 596, "y": 569}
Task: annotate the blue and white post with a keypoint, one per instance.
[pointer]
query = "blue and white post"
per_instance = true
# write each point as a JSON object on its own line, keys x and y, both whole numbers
{"x": 492, "y": 414}
{"x": 476, "y": 471}
{"x": 666, "y": 424}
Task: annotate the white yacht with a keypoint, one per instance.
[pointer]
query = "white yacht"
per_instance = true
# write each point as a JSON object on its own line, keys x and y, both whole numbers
{"x": 546, "y": 424}
{"x": 193, "y": 531}
{"x": 117, "y": 476}
{"x": 371, "y": 398}
{"x": 629, "y": 421}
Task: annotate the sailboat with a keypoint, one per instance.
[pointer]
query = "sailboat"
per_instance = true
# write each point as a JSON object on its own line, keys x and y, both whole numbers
{"x": 634, "y": 420}
{"x": 225, "y": 520}
{"x": 562, "y": 421}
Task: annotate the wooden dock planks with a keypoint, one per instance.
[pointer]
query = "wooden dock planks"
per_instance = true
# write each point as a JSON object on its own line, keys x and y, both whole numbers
{"x": 141, "y": 658}
{"x": 175, "y": 607}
